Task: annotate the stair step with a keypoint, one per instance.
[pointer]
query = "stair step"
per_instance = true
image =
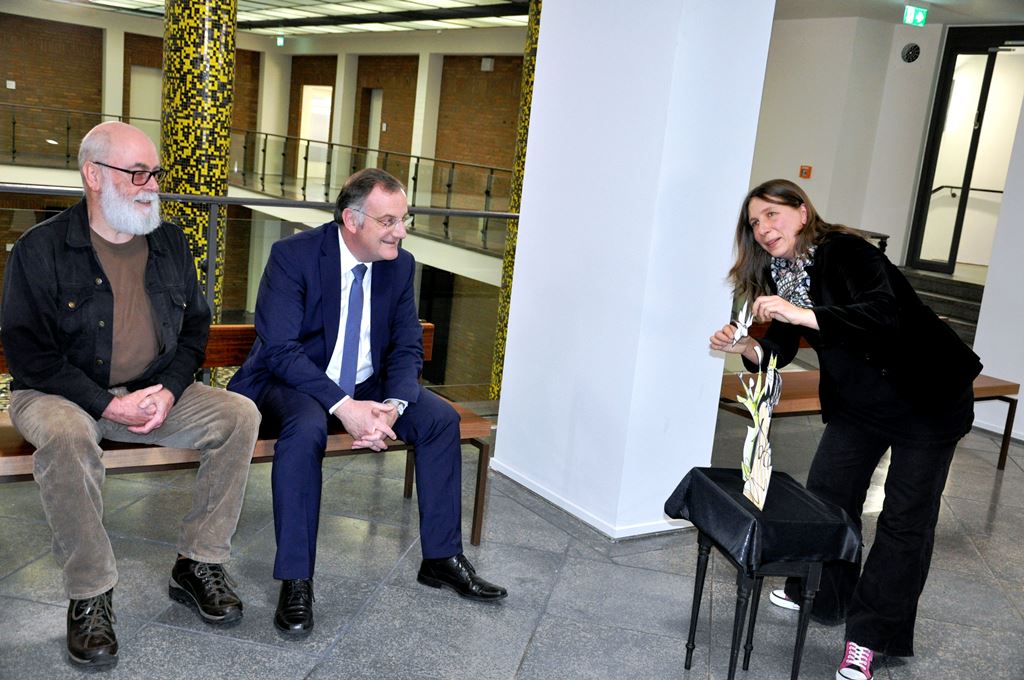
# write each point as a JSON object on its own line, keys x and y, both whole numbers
{"x": 964, "y": 329}
{"x": 943, "y": 285}
{"x": 948, "y": 306}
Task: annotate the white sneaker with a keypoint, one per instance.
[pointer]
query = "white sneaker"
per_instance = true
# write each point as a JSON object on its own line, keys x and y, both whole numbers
{"x": 856, "y": 663}
{"x": 779, "y": 598}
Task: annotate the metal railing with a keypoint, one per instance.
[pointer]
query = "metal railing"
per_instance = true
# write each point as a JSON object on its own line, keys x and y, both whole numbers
{"x": 214, "y": 206}
{"x": 291, "y": 167}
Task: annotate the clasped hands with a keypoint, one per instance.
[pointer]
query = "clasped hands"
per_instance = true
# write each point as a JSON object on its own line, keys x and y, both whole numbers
{"x": 369, "y": 422}
{"x": 142, "y": 410}
{"x": 765, "y": 308}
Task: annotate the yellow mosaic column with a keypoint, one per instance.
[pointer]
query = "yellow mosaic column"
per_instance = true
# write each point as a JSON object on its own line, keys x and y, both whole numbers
{"x": 509, "y": 258}
{"x": 198, "y": 90}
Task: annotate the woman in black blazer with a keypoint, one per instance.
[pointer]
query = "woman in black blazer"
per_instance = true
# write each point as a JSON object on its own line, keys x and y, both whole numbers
{"x": 893, "y": 375}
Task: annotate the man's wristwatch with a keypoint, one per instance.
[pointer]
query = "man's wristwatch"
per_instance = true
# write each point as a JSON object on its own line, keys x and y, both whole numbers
{"x": 398, "y": 404}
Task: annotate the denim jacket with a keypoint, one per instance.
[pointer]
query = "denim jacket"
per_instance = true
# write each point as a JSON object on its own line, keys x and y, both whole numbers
{"x": 58, "y": 307}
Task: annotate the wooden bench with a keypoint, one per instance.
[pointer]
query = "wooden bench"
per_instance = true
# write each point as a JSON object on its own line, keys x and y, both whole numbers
{"x": 800, "y": 398}
{"x": 229, "y": 345}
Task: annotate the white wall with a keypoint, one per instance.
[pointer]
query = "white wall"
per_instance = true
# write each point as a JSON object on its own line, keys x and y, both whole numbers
{"x": 838, "y": 97}
{"x": 900, "y": 136}
{"x": 609, "y": 392}
{"x": 998, "y": 341}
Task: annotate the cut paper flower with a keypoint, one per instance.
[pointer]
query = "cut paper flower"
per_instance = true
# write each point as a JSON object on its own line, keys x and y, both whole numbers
{"x": 760, "y": 399}
{"x": 743, "y": 323}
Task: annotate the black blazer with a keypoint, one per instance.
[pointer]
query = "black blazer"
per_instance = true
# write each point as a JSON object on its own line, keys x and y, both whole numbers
{"x": 870, "y": 319}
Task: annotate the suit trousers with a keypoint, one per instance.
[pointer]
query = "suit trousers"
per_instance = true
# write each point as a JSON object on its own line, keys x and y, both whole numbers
{"x": 429, "y": 424}
{"x": 880, "y": 604}
{"x": 68, "y": 467}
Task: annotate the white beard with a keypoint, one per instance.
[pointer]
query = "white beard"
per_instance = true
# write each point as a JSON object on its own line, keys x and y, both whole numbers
{"x": 122, "y": 213}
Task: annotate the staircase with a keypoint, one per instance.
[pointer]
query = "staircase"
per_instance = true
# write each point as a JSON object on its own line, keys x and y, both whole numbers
{"x": 957, "y": 302}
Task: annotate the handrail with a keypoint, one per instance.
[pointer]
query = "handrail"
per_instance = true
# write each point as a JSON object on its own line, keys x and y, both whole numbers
{"x": 243, "y": 131}
{"x": 75, "y": 192}
{"x": 214, "y": 203}
{"x": 953, "y": 188}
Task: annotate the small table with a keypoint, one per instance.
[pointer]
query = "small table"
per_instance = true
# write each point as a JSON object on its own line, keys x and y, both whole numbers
{"x": 793, "y": 535}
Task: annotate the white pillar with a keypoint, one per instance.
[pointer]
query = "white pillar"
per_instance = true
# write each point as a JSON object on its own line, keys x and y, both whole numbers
{"x": 424, "y": 126}
{"x": 638, "y": 159}
{"x": 113, "y": 73}
{"x": 275, "y": 80}
{"x": 998, "y": 340}
{"x": 345, "y": 94}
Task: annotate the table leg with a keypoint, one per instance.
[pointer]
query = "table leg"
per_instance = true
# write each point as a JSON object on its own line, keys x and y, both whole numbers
{"x": 1011, "y": 411}
{"x": 755, "y": 601}
{"x": 743, "y": 585}
{"x": 810, "y": 589}
{"x": 703, "y": 550}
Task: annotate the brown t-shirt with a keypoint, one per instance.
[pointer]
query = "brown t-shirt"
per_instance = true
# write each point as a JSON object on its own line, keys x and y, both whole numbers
{"x": 135, "y": 343}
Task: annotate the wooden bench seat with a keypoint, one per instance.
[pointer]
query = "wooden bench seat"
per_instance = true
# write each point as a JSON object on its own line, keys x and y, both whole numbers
{"x": 229, "y": 345}
{"x": 800, "y": 398}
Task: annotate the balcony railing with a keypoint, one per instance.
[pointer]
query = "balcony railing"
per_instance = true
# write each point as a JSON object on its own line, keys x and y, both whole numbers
{"x": 287, "y": 167}
{"x": 462, "y": 374}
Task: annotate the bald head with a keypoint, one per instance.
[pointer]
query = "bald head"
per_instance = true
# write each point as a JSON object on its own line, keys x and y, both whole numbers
{"x": 102, "y": 142}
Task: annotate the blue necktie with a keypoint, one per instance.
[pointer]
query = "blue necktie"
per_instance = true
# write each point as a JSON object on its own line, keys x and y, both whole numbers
{"x": 350, "y": 351}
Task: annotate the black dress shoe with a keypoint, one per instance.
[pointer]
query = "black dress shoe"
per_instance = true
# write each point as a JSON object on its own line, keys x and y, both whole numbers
{"x": 91, "y": 639}
{"x": 457, "y": 573}
{"x": 206, "y": 588}
{"x": 294, "y": 616}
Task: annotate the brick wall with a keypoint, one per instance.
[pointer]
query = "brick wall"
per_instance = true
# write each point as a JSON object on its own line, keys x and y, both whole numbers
{"x": 476, "y": 123}
{"x": 139, "y": 50}
{"x": 148, "y": 51}
{"x": 476, "y": 119}
{"x": 247, "y": 90}
{"x": 474, "y": 317}
{"x": 236, "y": 259}
{"x": 396, "y": 76}
{"x": 55, "y": 65}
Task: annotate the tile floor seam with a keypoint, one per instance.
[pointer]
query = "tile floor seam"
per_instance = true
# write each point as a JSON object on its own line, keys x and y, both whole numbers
{"x": 560, "y": 571}
{"x": 373, "y": 595}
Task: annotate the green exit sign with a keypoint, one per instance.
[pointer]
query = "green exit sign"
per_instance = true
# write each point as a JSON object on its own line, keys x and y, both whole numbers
{"x": 915, "y": 16}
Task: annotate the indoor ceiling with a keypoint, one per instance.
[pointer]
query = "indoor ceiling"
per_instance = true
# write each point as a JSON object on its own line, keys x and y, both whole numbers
{"x": 954, "y": 12}
{"x": 291, "y": 17}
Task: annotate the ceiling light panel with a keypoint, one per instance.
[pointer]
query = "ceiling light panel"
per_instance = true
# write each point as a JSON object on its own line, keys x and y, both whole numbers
{"x": 427, "y": 25}
{"x": 445, "y": 4}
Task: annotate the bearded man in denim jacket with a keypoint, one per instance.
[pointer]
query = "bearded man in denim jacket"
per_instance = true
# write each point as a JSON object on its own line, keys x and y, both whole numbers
{"x": 104, "y": 327}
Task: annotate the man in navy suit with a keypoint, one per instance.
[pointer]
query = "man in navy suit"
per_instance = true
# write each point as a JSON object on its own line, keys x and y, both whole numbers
{"x": 338, "y": 335}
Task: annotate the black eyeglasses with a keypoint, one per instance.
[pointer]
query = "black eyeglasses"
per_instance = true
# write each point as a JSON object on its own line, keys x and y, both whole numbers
{"x": 389, "y": 222}
{"x": 139, "y": 177}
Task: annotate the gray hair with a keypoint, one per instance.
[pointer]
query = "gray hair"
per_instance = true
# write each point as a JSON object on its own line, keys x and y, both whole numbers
{"x": 95, "y": 144}
{"x": 359, "y": 186}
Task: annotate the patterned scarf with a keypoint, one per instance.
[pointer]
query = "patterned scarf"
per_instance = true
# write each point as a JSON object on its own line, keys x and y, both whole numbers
{"x": 792, "y": 279}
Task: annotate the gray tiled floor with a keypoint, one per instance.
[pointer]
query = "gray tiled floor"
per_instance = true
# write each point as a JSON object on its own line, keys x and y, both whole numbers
{"x": 581, "y": 606}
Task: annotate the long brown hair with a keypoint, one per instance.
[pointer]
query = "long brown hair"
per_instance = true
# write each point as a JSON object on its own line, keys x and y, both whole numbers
{"x": 751, "y": 274}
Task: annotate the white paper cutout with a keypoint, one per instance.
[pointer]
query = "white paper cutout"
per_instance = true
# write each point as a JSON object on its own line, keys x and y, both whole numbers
{"x": 760, "y": 399}
{"x": 743, "y": 322}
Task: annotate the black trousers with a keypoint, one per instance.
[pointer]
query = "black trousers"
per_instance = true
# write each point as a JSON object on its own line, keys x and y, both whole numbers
{"x": 879, "y": 604}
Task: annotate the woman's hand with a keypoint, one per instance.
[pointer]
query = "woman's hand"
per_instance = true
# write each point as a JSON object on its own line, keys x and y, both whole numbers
{"x": 775, "y": 308}
{"x": 722, "y": 341}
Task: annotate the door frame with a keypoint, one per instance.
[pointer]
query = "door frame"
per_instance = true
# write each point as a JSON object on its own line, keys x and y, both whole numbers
{"x": 980, "y": 40}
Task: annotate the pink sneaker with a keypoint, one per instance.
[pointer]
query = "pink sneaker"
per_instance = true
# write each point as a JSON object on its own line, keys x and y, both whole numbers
{"x": 856, "y": 664}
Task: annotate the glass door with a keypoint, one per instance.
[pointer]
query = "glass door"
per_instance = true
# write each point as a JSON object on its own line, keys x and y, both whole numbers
{"x": 977, "y": 104}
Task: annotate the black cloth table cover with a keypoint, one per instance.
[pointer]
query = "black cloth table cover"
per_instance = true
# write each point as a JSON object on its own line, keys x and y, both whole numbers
{"x": 794, "y": 526}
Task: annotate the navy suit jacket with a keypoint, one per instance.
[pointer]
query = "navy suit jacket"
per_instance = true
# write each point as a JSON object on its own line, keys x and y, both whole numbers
{"x": 297, "y": 321}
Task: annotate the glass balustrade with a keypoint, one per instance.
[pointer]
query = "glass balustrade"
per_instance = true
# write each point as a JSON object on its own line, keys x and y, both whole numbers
{"x": 293, "y": 168}
{"x": 463, "y": 309}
